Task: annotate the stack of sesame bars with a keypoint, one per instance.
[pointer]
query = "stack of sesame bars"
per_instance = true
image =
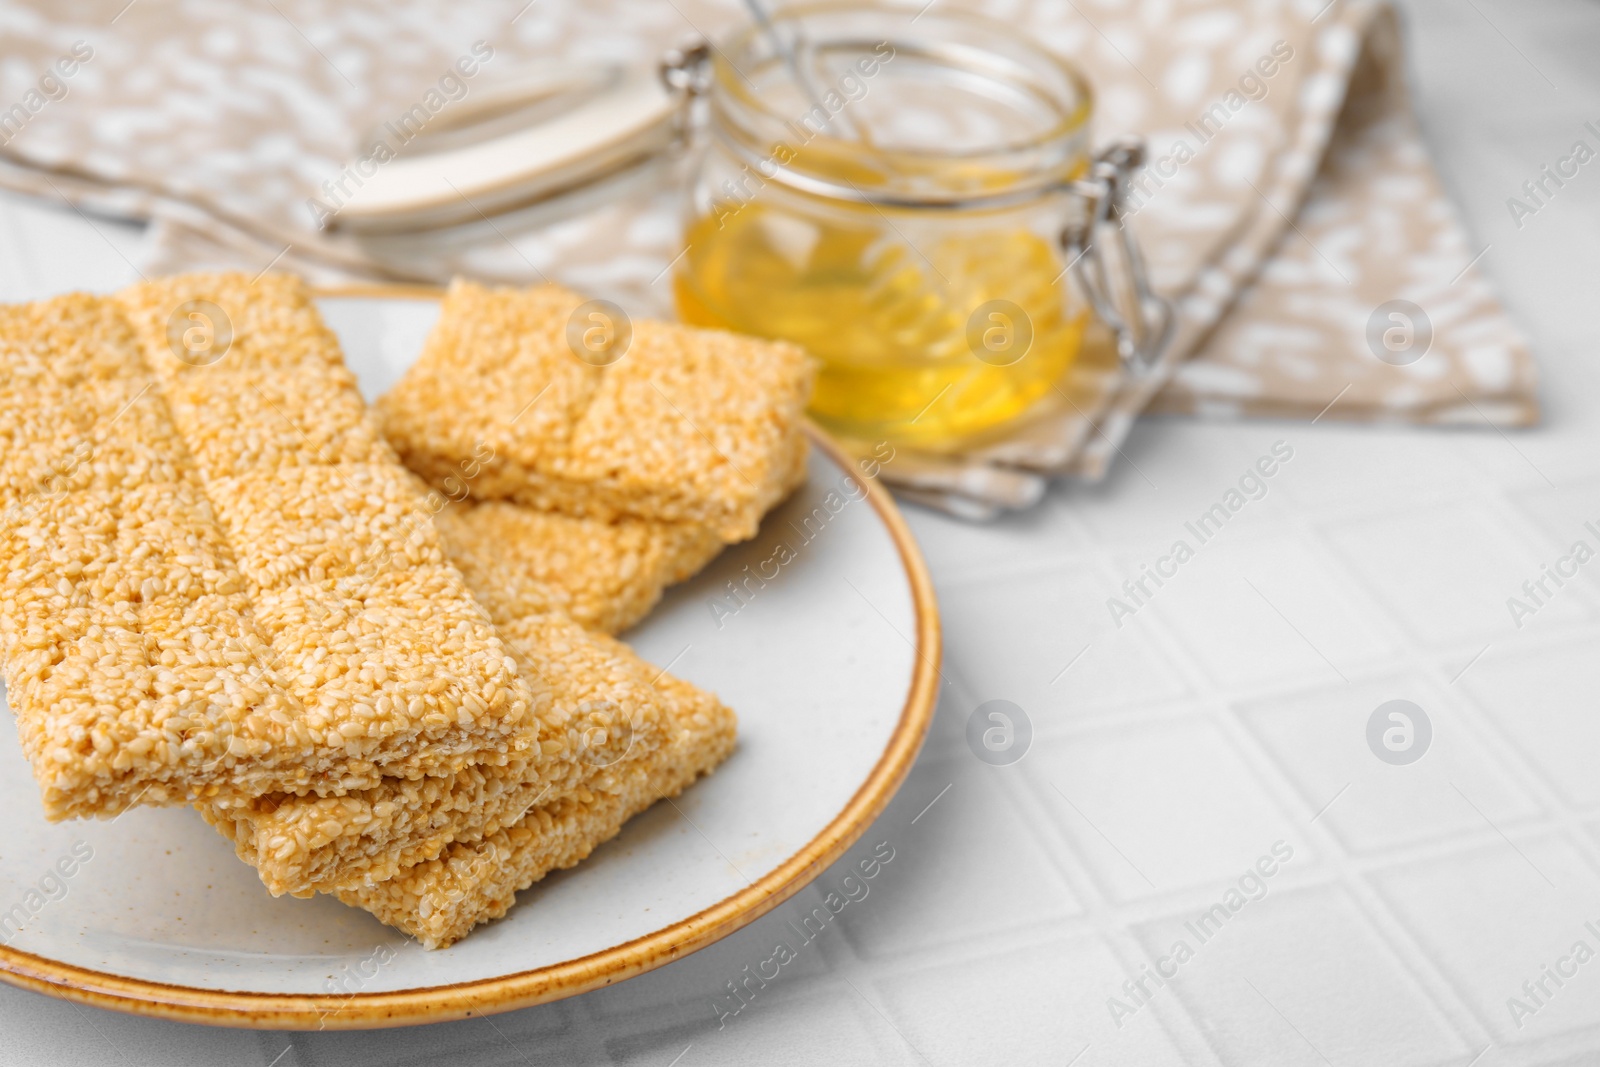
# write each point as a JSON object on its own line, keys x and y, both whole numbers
{"x": 394, "y": 682}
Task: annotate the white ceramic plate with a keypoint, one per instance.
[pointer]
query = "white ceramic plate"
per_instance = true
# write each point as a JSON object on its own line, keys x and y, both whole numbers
{"x": 830, "y": 666}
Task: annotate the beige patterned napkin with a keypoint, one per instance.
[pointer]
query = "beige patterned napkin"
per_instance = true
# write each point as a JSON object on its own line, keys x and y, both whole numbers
{"x": 1288, "y": 198}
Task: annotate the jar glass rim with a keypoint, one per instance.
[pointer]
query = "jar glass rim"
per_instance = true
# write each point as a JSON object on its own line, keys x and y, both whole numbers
{"x": 744, "y": 118}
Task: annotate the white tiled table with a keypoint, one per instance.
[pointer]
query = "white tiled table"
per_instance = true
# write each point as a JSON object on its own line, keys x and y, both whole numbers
{"x": 1172, "y": 754}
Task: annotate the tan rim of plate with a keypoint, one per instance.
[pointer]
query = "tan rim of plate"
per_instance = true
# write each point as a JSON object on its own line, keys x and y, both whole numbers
{"x": 283, "y": 1011}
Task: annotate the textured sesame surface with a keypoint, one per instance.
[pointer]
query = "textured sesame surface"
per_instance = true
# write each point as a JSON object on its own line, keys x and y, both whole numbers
{"x": 440, "y": 901}
{"x": 131, "y": 662}
{"x": 163, "y": 636}
{"x": 604, "y": 709}
{"x": 376, "y": 636}
{"x": 604, "y": 575}
{"x": 694, "y": 426}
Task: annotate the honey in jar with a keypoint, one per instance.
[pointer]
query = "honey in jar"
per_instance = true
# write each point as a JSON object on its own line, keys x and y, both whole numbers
{"x": 889, "y": 196}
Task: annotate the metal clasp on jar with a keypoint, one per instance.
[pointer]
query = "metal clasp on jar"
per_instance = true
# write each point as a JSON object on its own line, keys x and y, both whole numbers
{"x": 686, "y": 71}
{"x": 1113, "y": 277}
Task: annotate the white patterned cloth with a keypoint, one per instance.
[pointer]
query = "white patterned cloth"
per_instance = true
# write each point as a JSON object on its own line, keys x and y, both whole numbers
{"x": 1281, "y": 210}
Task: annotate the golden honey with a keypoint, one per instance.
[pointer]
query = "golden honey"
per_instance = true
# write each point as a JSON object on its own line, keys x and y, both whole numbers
{"x": 891, "y": 324}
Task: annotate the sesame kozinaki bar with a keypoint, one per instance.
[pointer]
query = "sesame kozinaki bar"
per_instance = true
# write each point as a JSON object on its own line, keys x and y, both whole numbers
{"x": 440, "y": 901}
{"x": 540, "y": 575}
{"x": 192, "y": 603}
{"x": 604, "y": 575}
{"x": 683, "y": 425}
{"x": 603, "y": 697}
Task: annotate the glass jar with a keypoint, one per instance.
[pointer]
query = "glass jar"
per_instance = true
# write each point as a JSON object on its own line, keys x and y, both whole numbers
{"x": 905, "y": 194}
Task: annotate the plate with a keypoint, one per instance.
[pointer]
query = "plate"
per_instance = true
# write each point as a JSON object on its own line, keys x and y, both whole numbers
{"x": 830, "y": 658}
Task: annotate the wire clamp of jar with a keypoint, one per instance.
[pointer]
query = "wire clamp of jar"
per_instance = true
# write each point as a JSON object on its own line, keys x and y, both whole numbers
{"x": 1112, "y": 276}
{"x": 686, "y": 72}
